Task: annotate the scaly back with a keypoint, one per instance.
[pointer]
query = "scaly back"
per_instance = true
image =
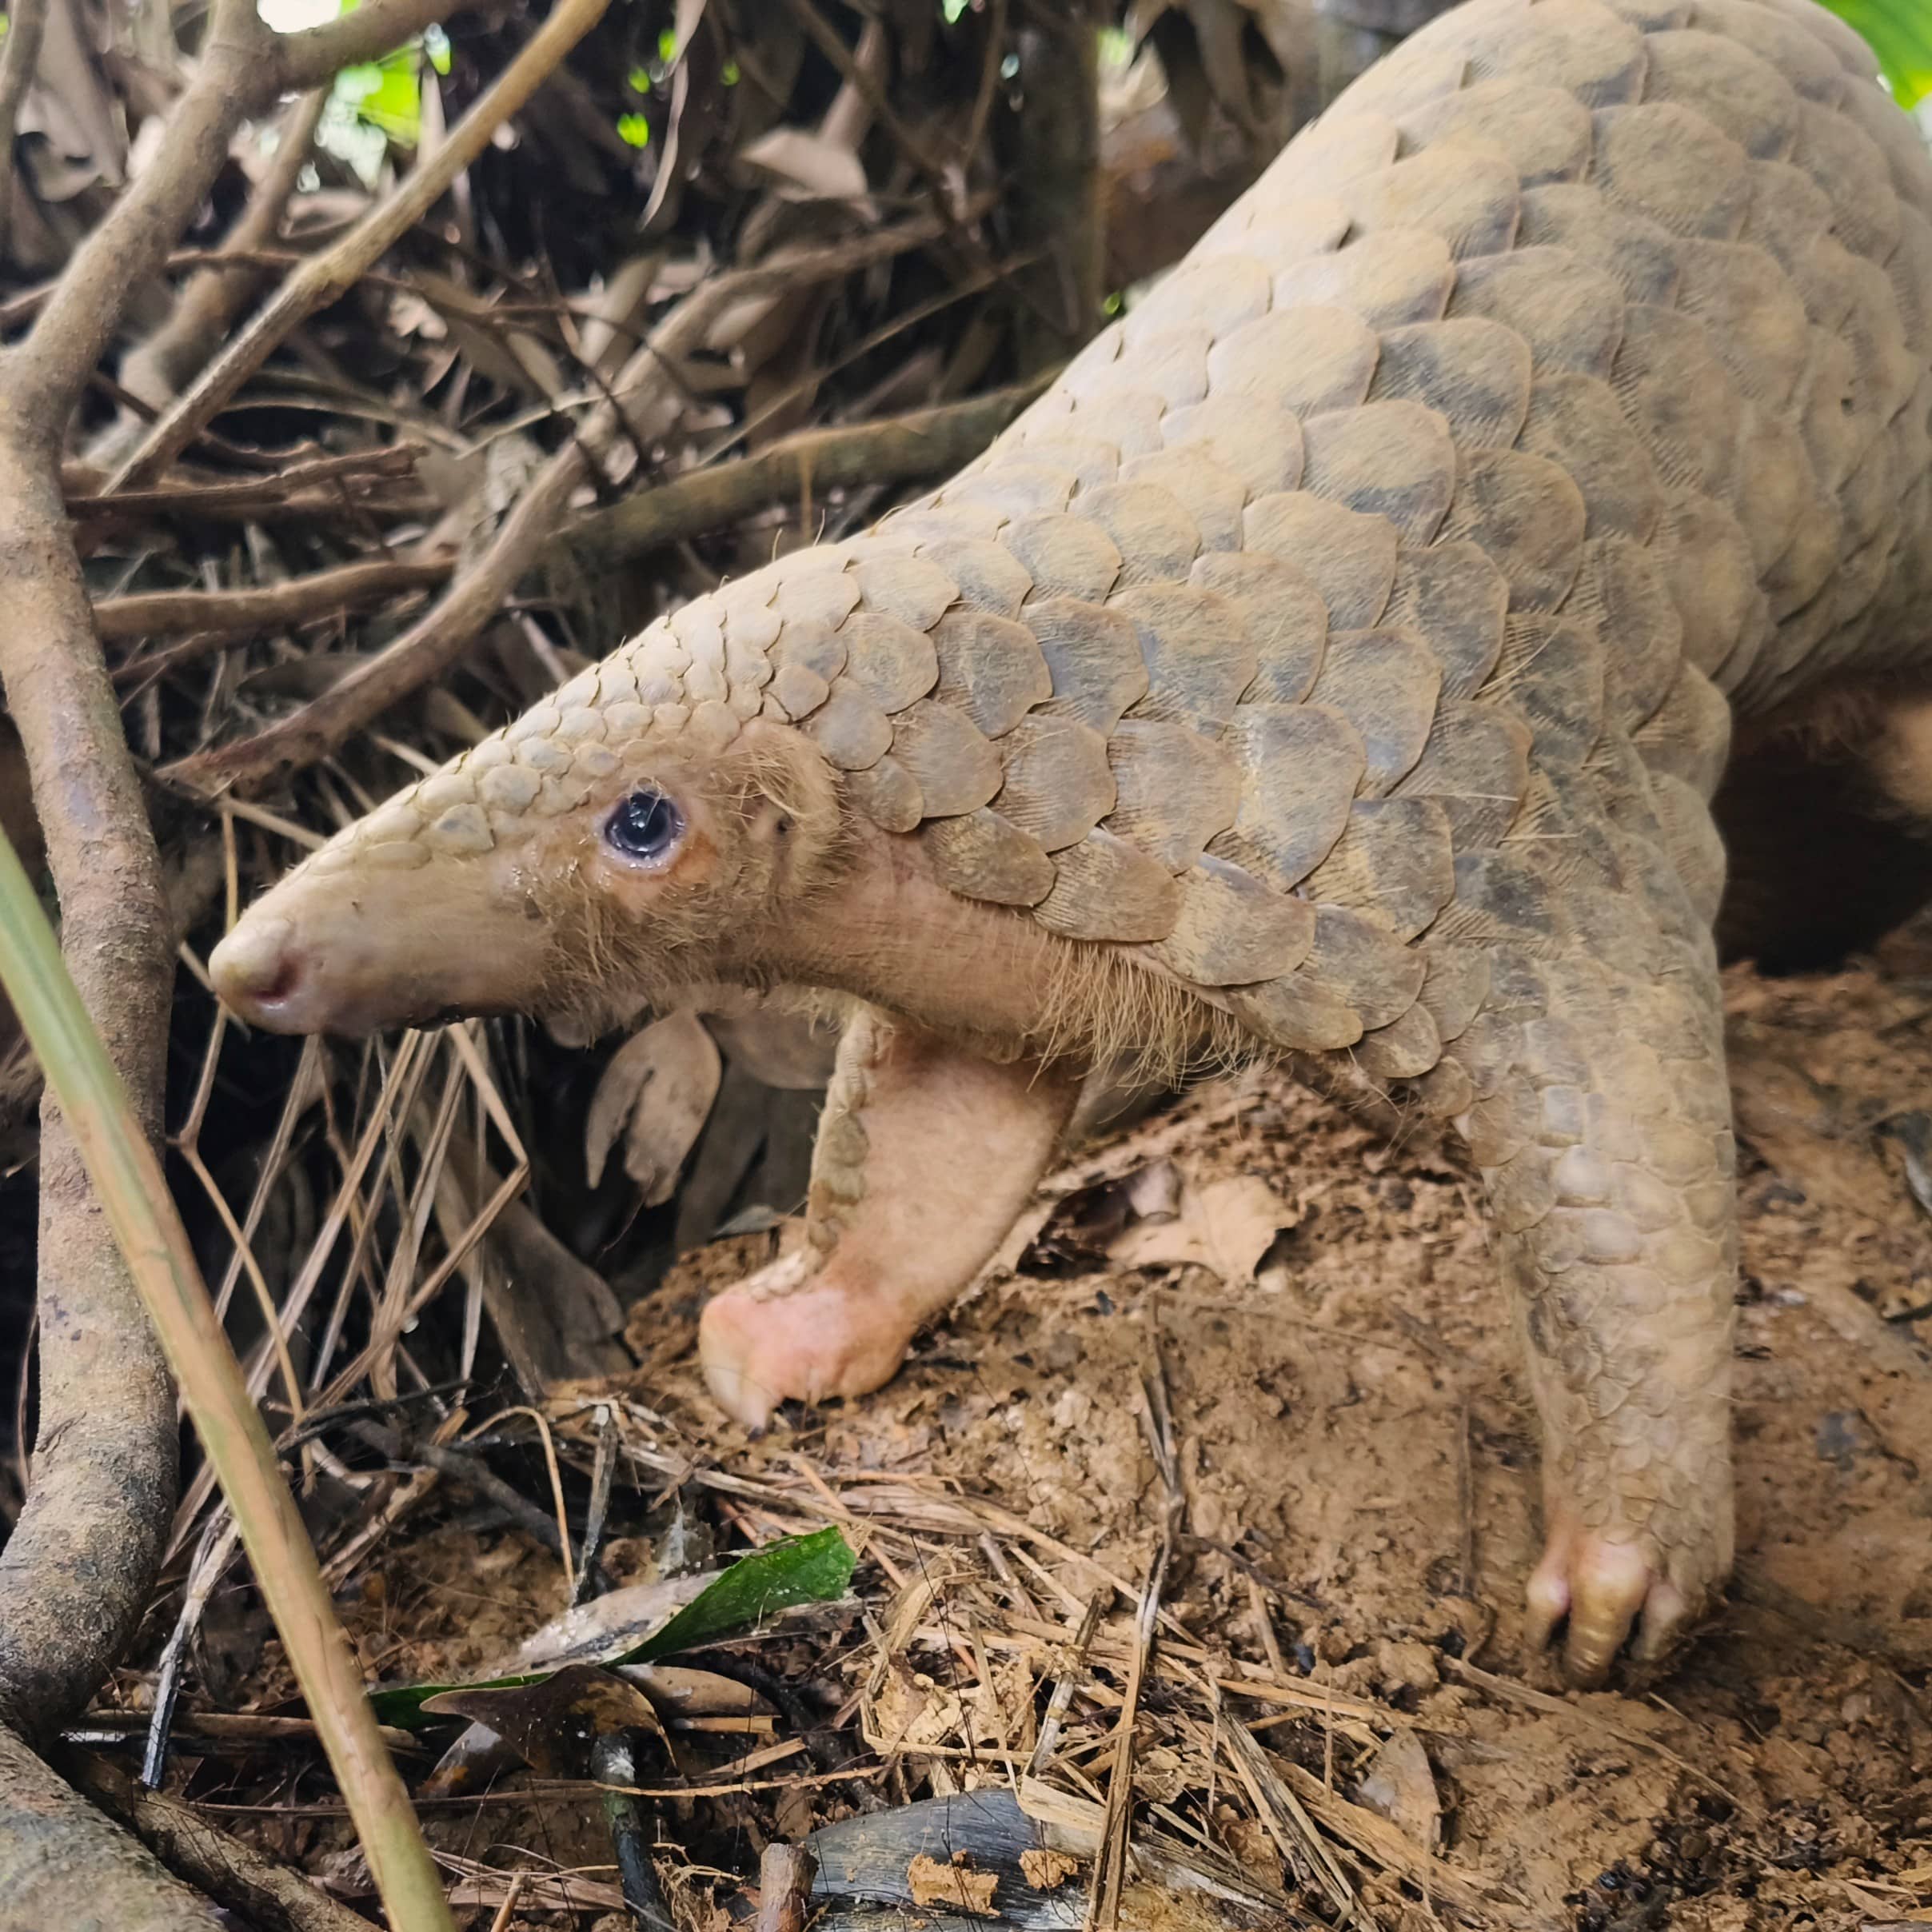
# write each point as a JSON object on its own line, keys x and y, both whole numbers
{"x": 1564, "y": 386}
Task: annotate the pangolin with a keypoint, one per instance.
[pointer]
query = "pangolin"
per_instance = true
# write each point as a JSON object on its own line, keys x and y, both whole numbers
{"x": 1340, "y": 661}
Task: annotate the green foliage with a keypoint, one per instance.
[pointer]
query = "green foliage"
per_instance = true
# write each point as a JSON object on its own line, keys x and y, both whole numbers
{"x": 814, "y": 1569}
{"x": 386, "y": 95}
{"x": 635, "y": 129}
{"x": 1900, "y": 32}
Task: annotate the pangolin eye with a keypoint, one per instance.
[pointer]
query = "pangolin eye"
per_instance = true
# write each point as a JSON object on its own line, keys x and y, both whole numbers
{"x": 645, "y": 827}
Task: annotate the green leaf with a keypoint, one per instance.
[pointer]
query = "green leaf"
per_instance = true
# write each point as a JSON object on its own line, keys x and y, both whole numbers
{"x": 814, "y": 1569}
{"x": 635, "y": 129}
{"x": 667, "y": 46}
{"x": 396, "y": 106}
{"x": 1899, "y": 32}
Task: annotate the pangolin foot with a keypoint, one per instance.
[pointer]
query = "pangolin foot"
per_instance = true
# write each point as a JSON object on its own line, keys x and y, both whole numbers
{"x": 788, "y": 1333}
{"x": 1607, "y": 1581}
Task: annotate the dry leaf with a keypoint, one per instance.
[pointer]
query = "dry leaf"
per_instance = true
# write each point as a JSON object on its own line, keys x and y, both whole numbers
{"x": 1224, "y": 1225}
{"x": 617, "y": 1620}
{"x": 1401, "y": 1787}
{"x": 662, "y": 1080}
{"x": 823, "y": 169}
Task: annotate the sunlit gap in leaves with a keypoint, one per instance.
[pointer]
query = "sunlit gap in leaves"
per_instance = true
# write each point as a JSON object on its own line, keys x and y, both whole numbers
{"x": 372, "y": 106}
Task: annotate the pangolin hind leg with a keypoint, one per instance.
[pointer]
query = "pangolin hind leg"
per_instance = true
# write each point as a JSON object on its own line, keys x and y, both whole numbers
{"x": 1599, "y": 1116}
{"x": 926, "y": 1153}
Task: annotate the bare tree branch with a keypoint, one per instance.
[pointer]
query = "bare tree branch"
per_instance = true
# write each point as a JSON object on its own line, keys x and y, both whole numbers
{"x": 45, "y": 375}
{"x": 25, "y": 22}
{"x": 154, "y": 370}
{"x": 893, "y": 449}
{"x": 62, "y": 1863}
{"x": 301, "y": 601}
{"x": 328, "y": 277}
{"x": 274, "y": 1897}
{"x": 298, "y": 61}
{"x": 75, "y": 1573}
{"x": 1057, "y": 206}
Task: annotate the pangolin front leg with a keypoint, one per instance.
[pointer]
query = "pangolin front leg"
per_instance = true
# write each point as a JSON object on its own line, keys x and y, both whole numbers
{"x": 1605, "y": 1147}
{"x": 926, "y": 1153}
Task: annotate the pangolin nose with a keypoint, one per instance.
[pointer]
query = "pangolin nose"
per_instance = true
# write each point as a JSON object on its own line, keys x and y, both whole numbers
{"x": 257, "y": 967}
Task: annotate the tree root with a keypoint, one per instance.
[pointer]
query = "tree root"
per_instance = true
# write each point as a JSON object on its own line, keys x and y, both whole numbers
{"x": 62, "y": 1863}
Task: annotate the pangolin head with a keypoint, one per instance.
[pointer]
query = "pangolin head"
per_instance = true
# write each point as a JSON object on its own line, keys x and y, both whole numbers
{"x": 643, "y": 826}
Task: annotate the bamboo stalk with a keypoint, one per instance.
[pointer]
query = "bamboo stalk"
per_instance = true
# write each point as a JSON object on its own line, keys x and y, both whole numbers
{"x": 134, "y": 1195}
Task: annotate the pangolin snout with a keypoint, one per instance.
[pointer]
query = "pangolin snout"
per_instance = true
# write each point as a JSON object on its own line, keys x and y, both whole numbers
{"x": 258, "y": 972}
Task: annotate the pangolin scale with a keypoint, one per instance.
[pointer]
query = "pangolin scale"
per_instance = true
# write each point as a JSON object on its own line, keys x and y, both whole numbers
{"x": 1349, "y": 645}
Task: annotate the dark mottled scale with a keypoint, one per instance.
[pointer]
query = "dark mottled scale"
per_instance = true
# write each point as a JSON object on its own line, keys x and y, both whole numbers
{"x": 1469, "y": 196}
{"x": 985, "y": 856}
{"x": 1402, "y": 1050}
{"x": 1284, "y": 615}
{"x": 1527, "y": 515}
{"x": 1231, "y": 927}
{"x": 1199, "y": 659}
{"x": 1393, "y": 865}
{"x": 991, "y": 669}
{"x": 955, "y": 765}
{"x": 1472, "y": 373}
{"x": 1385, "y": 683}
{"x": 1736, "y": 90}
{"x": 1299, "y": 766}
{"x": 1174, "y": 790}
{"x": 1394, "y": 460}
{"x": 1577, "y": 421}
{"x": 990, "y": 576}
{"x": 1351, "y": 558}
{"x": 1475, "y": 767}
{"x": 1104, "y": 888}
{"x": 1566, "y": 308}
{"x": 1397, "y": 276}
{"x": 1058, "y": 785}
{"x": 1545, "y": 132}
{"x": 1453, "y": 595}
{"x": 1093, "y": 656}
